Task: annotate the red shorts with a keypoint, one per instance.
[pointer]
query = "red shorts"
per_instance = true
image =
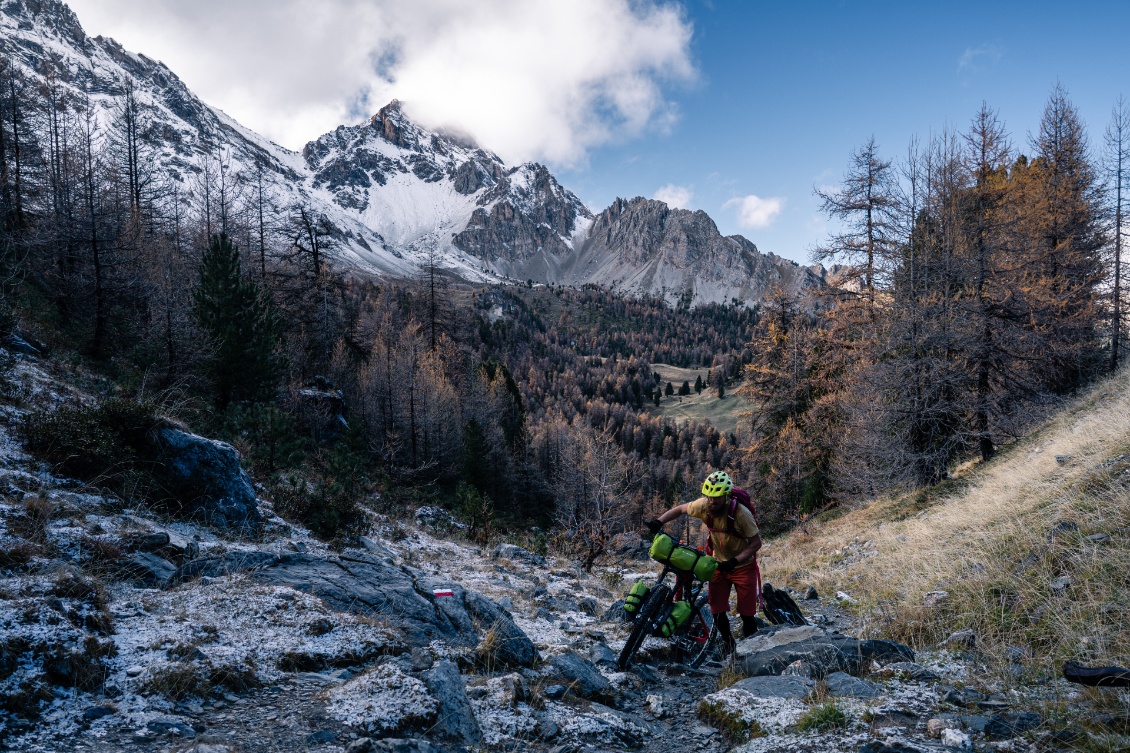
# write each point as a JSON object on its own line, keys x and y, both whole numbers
{"x": 745, "y": 580}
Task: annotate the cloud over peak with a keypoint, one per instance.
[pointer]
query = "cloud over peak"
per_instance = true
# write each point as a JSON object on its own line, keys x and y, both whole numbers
{"x": 676, "y": 197}
{"x": 548, "y": 80}
{"x": 755, "y": 212}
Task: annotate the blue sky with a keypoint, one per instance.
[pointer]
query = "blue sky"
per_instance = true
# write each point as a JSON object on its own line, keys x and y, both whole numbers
{"x": 720, "y": 101}
{"x": 785, "y": 91}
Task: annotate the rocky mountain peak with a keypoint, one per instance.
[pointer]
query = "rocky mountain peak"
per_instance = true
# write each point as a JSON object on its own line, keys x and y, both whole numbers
{"x": 46, "y": 15}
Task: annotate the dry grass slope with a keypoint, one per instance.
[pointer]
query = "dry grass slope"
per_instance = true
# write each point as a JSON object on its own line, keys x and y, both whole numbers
{"x": 1031, "y": 548}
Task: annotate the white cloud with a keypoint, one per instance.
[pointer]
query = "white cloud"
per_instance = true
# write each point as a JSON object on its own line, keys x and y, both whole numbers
{"x": 676, "y": 197}
{"x": 546, "y": 80}
{"x": 972, "y": 58}
{"x": 754, "y": 211}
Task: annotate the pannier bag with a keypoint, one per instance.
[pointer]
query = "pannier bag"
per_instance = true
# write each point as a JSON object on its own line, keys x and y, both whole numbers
{"x": 635, "y": 598}
{"x": 683, "y": 558}
{"x": 679, "y": 614}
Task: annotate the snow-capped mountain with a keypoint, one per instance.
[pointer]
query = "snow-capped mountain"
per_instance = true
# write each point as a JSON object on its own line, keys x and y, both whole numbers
{"x": 395, "y": 193}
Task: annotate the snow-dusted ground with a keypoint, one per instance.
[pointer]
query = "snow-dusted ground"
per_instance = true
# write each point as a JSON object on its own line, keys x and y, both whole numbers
{"x": 223, "y": 663}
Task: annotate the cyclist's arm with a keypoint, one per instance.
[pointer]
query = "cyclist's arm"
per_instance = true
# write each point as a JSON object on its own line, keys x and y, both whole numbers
{"x": 675, "y": 513}
{"x": 747, "y": 554}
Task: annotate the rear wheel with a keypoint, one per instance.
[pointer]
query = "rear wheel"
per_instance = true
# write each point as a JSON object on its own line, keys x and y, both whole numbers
{"x": 701, "y": 636}
{"x": 643, "y": 626}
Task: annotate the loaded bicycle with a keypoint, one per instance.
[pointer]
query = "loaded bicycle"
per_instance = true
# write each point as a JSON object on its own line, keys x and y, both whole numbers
{"x": 676, "y": 612}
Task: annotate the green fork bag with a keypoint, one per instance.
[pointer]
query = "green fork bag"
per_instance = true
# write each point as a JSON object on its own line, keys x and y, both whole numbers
{"x": 636, "y": 597}
{"x": 679, "y": 614}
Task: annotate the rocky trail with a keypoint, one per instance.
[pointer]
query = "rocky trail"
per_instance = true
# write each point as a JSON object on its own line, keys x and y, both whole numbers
{"x": 125, "y": 630}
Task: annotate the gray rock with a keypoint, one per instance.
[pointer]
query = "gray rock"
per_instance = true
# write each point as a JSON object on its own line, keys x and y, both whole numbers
{"x": 363, "y": 584}
{"x": 1061, "y": 584}
{"x": 511, "y": 646}
{"x": 843, "y": 684}
{"x": 889, "y": 746}
{"x": 584, "y": 679}
{"x": 148, "y": 570}
{"x": 773, "y": 649}
{"x": 422, "y": 659}
{"x": 152, "y": 541}
{"x": 555, "y": 692}
{"x": 962, "y": 639}
{"x": 884, "y": 651}
{"x": 810, "y": 593}
{"x": 1007, "y": 726}
{"x": 589, "y": 606}
{"x": 205, "y": 476}
{"x": 545, "y": 614}
{"x": 974, "y": 722}
{"x": 908, "y": 670}
{"x": 962, "y": 696}
{"x": 513, "y": 552}
{"x": 173, "y": 728}
{"x": 389, "y": 745}
{"x": 601, "y": 655}
{"x": 98, "y": 712}
{"x": 456, "y": 720}
{"x": 1062, "y": 528}
{"x": 800, "y": 668}
{"x": 226, "y": 564}
{"x": 785, "y": 686}
{"x": 375, "y": 549}
{"x": 934, "y": 598}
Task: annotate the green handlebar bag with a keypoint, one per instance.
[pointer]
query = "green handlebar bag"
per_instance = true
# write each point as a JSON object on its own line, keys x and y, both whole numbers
{"x": 683, "y": 558}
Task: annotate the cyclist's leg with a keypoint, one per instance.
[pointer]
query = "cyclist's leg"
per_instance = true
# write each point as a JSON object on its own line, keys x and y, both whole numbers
{"x": 719, "y": 590}
{"x": 745, "y": 583}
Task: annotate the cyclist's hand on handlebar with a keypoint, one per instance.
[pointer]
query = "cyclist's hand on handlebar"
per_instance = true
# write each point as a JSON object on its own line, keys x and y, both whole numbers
{"x": 654, "y": 526}
{"x": 728, "y": 566}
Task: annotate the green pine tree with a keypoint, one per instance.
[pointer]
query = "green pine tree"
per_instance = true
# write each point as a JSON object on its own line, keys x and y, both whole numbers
{"x": 242, "y": 329}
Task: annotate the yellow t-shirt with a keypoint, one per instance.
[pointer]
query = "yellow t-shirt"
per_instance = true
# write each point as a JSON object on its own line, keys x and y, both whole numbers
{"x": 726, "y": 545}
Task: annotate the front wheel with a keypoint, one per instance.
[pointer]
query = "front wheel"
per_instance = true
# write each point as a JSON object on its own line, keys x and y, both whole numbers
{"x": 643, "y": 626}
{"x": 701, "y": 636}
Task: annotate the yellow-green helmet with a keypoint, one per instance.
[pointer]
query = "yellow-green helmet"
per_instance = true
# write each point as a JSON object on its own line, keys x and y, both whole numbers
{"x": 717, "y": 484}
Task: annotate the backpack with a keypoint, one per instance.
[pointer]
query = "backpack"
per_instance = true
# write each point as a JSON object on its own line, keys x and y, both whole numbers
{"x": 738, "y": 497}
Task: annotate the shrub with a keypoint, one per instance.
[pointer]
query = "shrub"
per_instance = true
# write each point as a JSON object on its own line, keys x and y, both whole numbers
{"x": 823, "y": 718}
{"x": 733, "y": 726}
{"x": 111, "y": 443}
{"x": 176, "y": 682}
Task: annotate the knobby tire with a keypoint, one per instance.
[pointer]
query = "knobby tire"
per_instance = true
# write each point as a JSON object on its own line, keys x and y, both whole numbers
{"x": 700, "y": 652}
{"x": 643, "y": 627}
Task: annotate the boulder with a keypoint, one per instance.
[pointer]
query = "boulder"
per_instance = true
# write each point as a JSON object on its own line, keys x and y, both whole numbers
{"x": 148, "y": 570}
{"x": 1007, "y": 726}
{"x": 367, "y": 585}
{"x": 364, "y": 584}
{"x": 585, "y": 680}
{"x": 226, "y": 564}
{"x": 456, "y": 720}
{"x": 843, "y": 684}
{"x": 369, "y": 745}
{"x": 962, "y": 639}
{"x": 205, "y": 476}
{"x": 961, "y": 696}
{"x": 783, "y": 686}
{"x": 908, "y": 670}
{"x": 770, "y": 651}
{"x": 510, "y": 646}
{"x": 512, "y": 552}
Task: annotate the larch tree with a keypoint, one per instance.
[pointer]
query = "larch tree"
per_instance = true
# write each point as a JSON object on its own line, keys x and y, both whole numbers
{"x": 1117, "y": 156}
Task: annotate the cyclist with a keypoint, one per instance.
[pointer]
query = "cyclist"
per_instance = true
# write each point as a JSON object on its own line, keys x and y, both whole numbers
{"x": 735, "y": 543}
